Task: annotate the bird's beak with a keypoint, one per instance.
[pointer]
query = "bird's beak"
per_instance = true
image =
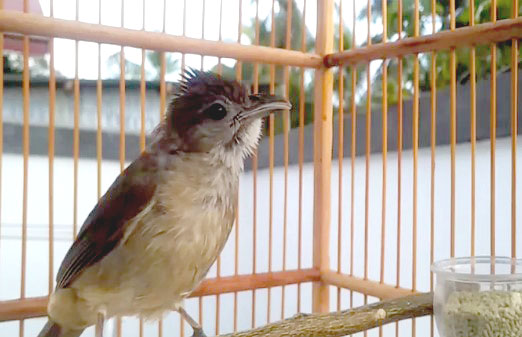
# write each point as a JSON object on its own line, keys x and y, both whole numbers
{"x": 262, "y": 105}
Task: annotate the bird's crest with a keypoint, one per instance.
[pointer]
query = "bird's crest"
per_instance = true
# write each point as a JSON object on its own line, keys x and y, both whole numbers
{"x": 205, "y": 83}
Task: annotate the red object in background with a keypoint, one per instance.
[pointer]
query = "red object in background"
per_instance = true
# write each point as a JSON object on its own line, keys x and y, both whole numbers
{"x": 37, "y": 46}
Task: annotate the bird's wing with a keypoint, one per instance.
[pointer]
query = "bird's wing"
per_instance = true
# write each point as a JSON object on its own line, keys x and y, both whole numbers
{"x": 105, "y": 226}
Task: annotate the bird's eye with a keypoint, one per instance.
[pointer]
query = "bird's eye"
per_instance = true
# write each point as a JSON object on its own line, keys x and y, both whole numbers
{"x": 216, "y": 112}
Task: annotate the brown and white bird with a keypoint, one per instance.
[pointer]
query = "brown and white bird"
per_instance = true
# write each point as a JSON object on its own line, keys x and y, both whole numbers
{"x": 153, "y": 236}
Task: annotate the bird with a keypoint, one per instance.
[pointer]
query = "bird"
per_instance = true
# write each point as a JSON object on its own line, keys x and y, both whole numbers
{"x": 153, "y": 236}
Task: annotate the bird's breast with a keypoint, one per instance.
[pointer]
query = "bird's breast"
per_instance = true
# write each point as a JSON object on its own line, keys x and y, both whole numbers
{"x": 170, "y": 246}
{"x": 188, "y": 226}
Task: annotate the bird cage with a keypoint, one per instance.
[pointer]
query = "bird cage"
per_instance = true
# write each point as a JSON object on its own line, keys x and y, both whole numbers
{"x": 400, "y": 148}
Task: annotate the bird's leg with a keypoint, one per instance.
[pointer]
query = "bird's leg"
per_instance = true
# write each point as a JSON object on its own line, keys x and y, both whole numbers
{"x": 99, "y": 323}
{"x": 198, "y": 331}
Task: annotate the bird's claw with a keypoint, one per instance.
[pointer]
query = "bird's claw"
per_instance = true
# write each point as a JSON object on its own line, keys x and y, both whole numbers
{"x": 198, "y": 333}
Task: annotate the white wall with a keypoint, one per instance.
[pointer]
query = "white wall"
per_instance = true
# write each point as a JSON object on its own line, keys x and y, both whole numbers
{"x": 37, "y": 218}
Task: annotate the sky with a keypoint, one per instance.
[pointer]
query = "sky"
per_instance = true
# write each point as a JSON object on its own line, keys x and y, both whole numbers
{"x": 152, "y": 20}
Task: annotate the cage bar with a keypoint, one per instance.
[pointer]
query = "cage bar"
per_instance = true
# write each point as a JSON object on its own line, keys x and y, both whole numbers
{"x": 76, "y": 131}
{"x": 360, "y": 285}
{"x": 236, "y": 238}
{"x": 220, "y": 73}
{"x": 52, "y": 110}
{"x": 514, "y": 131}
{"x": 353, "y": 109}
{"x": 479, "y": 34}
{"x": 99, "y": 94}
{"x": 271, "y": 121}
{"x": 493, "y": 131}
{"x": 399, "y": 154}
{"x": 142, "y": 118}
{"x": 433, "y": 143}
{"x": 453, "y": 126}
{"x": 32, "y": 24}
{"x": 37, "y": 306}
{"x": 473, "y": 128}
{"x": 340, "y": 154}
{"x": 384, "y": 140}
{"x": 415, "y": 142}
{"x": 301, "y": 157}
{"x": 254, "y": 177}
{"x": 25, "y": 140}
{"x": 322, "y": 155}
{"x": 285, "y": 117}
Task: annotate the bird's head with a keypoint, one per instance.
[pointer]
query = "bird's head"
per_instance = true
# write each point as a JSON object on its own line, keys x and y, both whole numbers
{"x": 210, "y": 112}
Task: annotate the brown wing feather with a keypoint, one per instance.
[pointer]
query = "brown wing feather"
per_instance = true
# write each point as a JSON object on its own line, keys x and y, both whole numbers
{"x": 104, "y": 227}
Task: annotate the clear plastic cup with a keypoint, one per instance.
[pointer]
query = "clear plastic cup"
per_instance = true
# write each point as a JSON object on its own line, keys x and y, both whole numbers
{"x": 478, "y": 296}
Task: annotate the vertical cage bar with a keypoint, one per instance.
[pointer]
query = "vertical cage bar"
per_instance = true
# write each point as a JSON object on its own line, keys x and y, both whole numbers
{"x": 99, "y": 112}
{"x": 514, "y": 131}
{"x": 368, "y": 147}
{"x": 353, "y": 109}
{"x": 254, "y": 177}
{"x": 143, "y": 88}
{"x": 239, "y": 64}
{"x": 203, "y": 31}
{"x": 184, "y": 33}
{"x": 415, "y": 141}
{"x": 220, "y": 66}
{"x": 218, "y": 264}
{"x": 52, "y": 106}
{"x": 122, "y": 100}
{"x": 301, "y": 155}
{"x": 76, "y": 129}
{"x": 433, "y": 142}
{"x": 322, "y": 154}
{"x": 340, "y": 154}
{"x": 271, "y": 122}
{"x": 453, "y": 126}
{"x": 473, "y": 127}
{"x": 384, "y": 139}
{"x": 122, "y": 124}
{"x": 399, "y": 154}
{"x": 25, "y": 140}
{"x": 493, "y": 127}
{"x": 163, "y": 98}
{"x": 163, "y": 93}
{"x": 384, "y": 143}
{"x": 286, "y": 115}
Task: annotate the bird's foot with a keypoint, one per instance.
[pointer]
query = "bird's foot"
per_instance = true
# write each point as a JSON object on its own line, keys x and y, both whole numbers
{"x": 99, "y": 324}
{"x": 198, "y": 332}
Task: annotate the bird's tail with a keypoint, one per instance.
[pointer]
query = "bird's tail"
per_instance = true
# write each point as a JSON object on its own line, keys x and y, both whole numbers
{"x": 52, "y": 329}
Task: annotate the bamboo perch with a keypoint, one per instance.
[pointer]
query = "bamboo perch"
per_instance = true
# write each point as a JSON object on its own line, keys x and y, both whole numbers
{"x": 347, "y": 322}
{"x": 38, "y": 25}
{"x": 484, "y": 33}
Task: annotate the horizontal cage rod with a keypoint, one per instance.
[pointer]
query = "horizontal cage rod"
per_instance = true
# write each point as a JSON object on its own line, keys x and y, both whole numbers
{"x": 485, "y": 33}
{"x": 38, "y": 25}
{"x": 366, "y": 287}
{"x": 37, "y": 306}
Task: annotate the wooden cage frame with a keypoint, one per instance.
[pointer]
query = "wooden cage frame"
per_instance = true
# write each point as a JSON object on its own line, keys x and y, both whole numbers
{"x": 322, "y": 274}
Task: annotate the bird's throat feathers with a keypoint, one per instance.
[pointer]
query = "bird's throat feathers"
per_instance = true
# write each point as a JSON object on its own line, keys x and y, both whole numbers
{"x": 164, "y": 139}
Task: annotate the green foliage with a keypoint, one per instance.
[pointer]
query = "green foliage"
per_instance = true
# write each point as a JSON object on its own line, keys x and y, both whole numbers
{"x": 482, "y": 14}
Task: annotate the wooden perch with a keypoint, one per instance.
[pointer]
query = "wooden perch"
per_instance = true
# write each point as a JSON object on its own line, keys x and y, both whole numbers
{"x": 349, "y": 321}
